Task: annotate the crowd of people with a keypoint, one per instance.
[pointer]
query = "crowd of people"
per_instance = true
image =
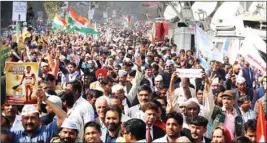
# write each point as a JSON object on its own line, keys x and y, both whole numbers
{"x": 125, "y": 88}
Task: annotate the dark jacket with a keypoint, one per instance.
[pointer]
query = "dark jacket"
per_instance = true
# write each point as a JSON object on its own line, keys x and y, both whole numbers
{"x": 157, "y": 132}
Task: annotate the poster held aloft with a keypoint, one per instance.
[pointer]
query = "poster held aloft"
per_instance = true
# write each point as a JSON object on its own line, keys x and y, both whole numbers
{"x": 190, "y": 73}
{"x": 21, "y": 85}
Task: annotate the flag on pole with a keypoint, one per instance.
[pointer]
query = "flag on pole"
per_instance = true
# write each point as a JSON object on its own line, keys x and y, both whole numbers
{"x": 261, "y": 124}
{"x": 59, "y": 23}
{"x": 79, "y": 23}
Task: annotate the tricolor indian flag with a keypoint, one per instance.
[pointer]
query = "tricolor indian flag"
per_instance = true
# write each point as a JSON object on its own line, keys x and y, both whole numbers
{"x": 59, "y": 23}
{"x": 79, "y": 23}
{"x": 128, "y": 19}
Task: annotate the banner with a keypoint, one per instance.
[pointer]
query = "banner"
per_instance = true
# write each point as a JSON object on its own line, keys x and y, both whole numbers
{"x": 189, "y": 73}
{"x": 202, "y": 42}
{"x": 230, "y": 49}
{"x": 22, "y": 84}
{"x": 251, "y": 50}
{"x": 4, "y": 49}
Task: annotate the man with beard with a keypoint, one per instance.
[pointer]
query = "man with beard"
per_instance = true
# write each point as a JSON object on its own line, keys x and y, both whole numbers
{"x": 100, "y": 75}
{"x": 31, "y": 122}
{"x": 143, "y": 96}
{"x": 68, "y": 132}
{"x": 112, "y": 122}
{"x": 198, "y": 127}
{"x": 82, "y": 111}
{"x": 174, "y": 124}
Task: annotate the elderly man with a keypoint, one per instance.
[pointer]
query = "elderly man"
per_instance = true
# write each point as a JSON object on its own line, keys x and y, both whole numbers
{"x": 157, "y": 82}
{"x": 31, "y": 122}
{"x": 101, "y": 104}
{"x": 118, "y": 90}
{"x": 68, "y": 132}
{"x": 100, "y": 74}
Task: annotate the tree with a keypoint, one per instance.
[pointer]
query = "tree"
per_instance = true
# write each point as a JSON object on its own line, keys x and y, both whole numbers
{"x": 51, "y": 8}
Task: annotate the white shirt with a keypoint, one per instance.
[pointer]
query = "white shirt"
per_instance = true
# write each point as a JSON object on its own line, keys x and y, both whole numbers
{"x": 151, "y": 131}
{"x": 81, "y": 112}
{"x": 162, "y": 140}
{"x": 17, "y": 125}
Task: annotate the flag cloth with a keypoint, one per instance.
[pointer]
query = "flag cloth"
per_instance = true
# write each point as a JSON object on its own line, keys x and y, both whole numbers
{"x": 79, "y": 23}
{"x": 59, "y": 23}
{"x": 128, "y": 19}
{"x": 261, "y": 125}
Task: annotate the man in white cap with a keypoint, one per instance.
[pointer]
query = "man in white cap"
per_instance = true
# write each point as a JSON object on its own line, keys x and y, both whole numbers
{"x": 118, "y": 91}
{"x": 157, "y": 82}
{"x": 242, "y": 89}
{"x": 68, "y": 132}
{"x": 122, "y": 77}
{"x": 31, "y": 122}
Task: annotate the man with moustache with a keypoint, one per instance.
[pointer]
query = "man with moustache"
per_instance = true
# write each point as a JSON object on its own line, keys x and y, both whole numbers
{"x": 112, "y": 122}
{"x": 174, "y": 124}
{"x": 198, "y": 127}
{"x": 143, "y": 96}
{"x": 31, "y": 122}
{"x": 68, "y": 132}
{"x": 100, "y": 74}
{"x": 101, "y": 104}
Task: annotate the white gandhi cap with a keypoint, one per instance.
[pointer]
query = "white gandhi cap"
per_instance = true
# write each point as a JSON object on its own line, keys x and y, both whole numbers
{"x": 28, "y": 109}
{"x": 69, "y": 124}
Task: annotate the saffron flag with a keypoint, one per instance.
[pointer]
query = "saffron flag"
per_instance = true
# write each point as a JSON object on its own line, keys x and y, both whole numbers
{"x": 59, "y": 23}
{"x": 261, "y": 125}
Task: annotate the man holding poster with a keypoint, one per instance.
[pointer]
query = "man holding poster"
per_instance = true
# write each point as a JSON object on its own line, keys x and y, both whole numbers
{"x": 21, "y": 84}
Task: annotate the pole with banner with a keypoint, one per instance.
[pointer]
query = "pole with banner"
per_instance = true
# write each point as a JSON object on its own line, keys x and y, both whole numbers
{"x": 19, "y": 14}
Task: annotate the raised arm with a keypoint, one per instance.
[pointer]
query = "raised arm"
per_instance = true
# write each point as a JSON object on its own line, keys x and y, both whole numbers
{"x": 135, "y": 83}
{"x": 57, "y": 110}
{"x": 172, "y": 83}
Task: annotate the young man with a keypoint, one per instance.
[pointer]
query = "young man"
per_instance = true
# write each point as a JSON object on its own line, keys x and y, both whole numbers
{"x": 134, "y": 131}
{"x": 92, "y": 132}
{"x": 198, "y": 127}
{"x": 68, "y": 132}
{"x": 250, "y": 130}
{"x": 152, "y": 132}
{"x": 174, "y": 124}
{"x": 112, "y": 122}
{"x": 11, "y": 113}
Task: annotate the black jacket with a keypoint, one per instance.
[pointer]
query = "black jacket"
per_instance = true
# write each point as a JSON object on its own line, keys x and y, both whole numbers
{"x": 158, "y": 132}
